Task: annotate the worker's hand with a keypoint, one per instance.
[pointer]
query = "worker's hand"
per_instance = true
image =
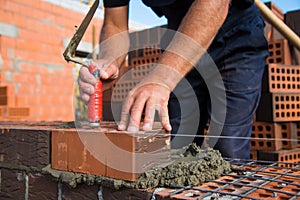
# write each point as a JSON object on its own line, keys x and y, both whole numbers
{"x": 152, "y": 96}
{"x": 86, "y": 81}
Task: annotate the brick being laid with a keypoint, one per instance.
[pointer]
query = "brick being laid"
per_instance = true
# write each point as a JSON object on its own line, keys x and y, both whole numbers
{"x": 109, "y": 153}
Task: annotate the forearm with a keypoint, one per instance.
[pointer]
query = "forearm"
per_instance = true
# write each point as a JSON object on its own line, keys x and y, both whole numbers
{"x": 114, "y": 38}
{"x": 195, "y": 34}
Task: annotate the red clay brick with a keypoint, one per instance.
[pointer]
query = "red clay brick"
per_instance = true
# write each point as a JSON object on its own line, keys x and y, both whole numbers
{"x": 279, "y": 52}
{"x": 253, "y": 155}
{"x": 291, "y": 156}
{"x": 281, "y": 79}
{"x": 273, "y": 136}
{"x": 121, "y": 90}
{"x": 279, "y": 107}
{"x": 18, "y": 112}
{"x": 298, "y": 134}
{"x": 7, "y": 100}
{"x": 276, "y": 10}
{"x": 143, "y": 60}
{"x": 93, "y": 161}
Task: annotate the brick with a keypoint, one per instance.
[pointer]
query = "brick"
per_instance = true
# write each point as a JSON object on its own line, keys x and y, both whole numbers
{"x": 121, "y": 90}
{"x": 273, "y": 136}
{"x": 298, "y": 134}
{"x": 7, "y": 100}
{"x": 42, "y": 186}
{"x": 12, "y": 184}
{"x": 139, "y": 72}
{"x": 287, "y": 156}
{"x": 143, "y": 60}
{"x": 82, "y": 191}
{"x": 120, "y": 159}
{"x": 291, "y": 19}
{"x": 271, "y": 33}
{"x": 279, "y": 52}
{"x": 25, "y": 147}
{"x": 253, "y": 155}
{"x": 2, "y": 111}
{"x": 18, "y": 112}
{"x": 112, "y": 111}
{"x": 152, "y": 50}
{"x": 281, "y": 79}
{"x": 275, "y": 9}
{"x": 278, "y": 107}
{"x": 126, "y": 194}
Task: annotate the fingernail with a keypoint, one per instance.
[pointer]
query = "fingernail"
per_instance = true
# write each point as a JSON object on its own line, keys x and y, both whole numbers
{"x": 147, "y": 127}
{"x": 132, "y": 129}
{"x": 104, "y": 75}
{"x": 121, "y": 127}
{"x": 168, "y": 127}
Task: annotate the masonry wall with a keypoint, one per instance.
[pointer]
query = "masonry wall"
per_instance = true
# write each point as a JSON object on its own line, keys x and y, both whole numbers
{"x": 33, "y": 72}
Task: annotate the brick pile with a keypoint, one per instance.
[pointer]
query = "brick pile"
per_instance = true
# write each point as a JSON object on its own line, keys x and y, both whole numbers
{"x": 275, "y": 133}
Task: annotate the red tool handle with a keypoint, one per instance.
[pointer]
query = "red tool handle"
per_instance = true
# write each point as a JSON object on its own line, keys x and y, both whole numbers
{"x": 95, "y": 103}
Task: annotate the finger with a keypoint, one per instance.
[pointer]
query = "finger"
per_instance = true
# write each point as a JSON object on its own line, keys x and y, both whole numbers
{"x": 136, "y": 111}
{"x": 149, "y": 116}
{"x": 85, "y": 97}
{"x": 109, "y": 71}
{"x": 164, "y": 117}
{"x": 86, "y": 76}
{"x": 125, "y": 113}
{"x": 85, "y": 87}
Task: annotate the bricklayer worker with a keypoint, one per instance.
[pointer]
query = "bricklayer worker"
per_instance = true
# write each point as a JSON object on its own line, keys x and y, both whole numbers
{"x": 231, "y": 32}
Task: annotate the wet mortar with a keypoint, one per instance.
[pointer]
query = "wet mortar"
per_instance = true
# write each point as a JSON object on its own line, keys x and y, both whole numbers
{"x": 191, "y": 166}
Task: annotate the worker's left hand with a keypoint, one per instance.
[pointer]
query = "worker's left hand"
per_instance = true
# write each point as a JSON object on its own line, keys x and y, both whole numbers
{"x": 151, "y": 96}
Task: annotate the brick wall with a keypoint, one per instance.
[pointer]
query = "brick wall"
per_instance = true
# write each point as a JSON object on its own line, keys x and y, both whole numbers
{"x": 33, "y": 35}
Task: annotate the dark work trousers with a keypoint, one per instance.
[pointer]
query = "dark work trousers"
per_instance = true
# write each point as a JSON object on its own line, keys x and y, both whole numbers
{"x": 238, "y": 52}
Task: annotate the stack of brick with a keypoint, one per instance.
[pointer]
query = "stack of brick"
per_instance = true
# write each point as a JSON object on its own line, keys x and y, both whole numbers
{"x": 145, "y": 52}
{"x": 33, "y": 36}
{"x": 8, "y": 106}
{"x": 275, "y": 134}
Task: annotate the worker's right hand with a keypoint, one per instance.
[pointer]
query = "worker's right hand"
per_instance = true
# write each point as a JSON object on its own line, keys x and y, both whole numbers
{"x": 86, "y": 81}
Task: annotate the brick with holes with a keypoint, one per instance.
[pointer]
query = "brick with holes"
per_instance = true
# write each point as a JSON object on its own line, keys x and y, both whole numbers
{"x": 279, "y": 107}
{"x": 279, "y": 52}
{"x": 280, "y": 78}
{"x": 287, "y": 156}
{"x": 273, "y": 136}
{"x": 143, "y": 60}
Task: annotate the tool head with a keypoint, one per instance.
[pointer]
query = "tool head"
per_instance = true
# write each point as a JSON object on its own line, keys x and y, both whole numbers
{"x": 69, "y": 52}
